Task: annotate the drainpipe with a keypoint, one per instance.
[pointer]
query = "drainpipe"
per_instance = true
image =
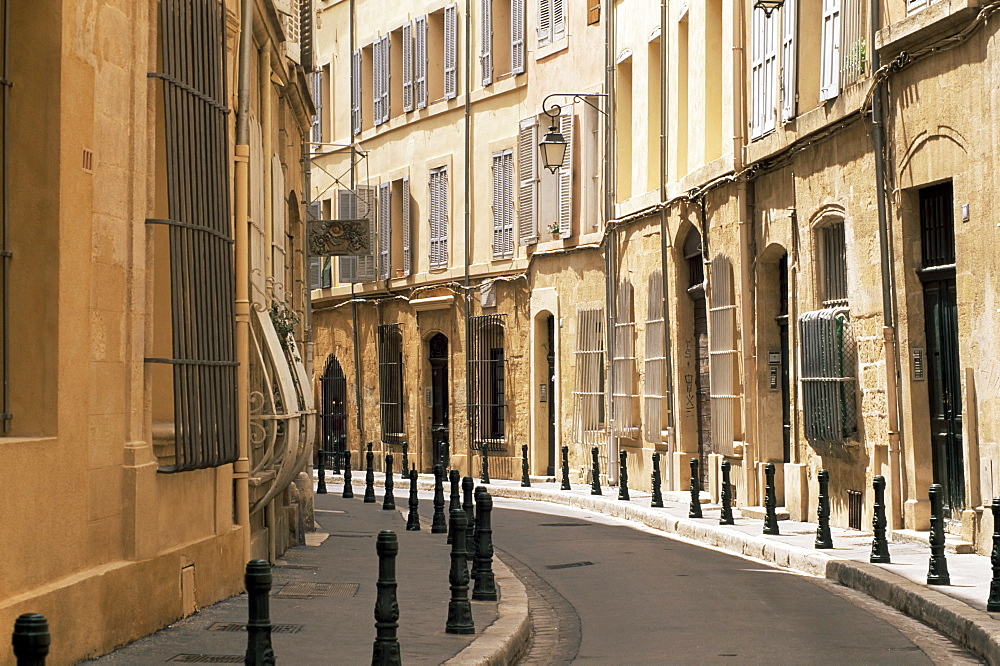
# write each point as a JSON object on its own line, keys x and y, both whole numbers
{"x": 664, "y": 243}
{"x": 264, "y": 78}
{"x": 468, "y": 233}
{"x": 241, "y": 180}
{"x": 897, "y": 474}
{"x": 611, "y": 239}
{"x": 356, "y": 341}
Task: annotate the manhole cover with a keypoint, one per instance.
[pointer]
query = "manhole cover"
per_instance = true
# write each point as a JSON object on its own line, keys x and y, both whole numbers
{"x": 564, "y": 524}
{"x": 208, "y": 658}
{"x": 307, "y": 590}
{"x": 569, "y": 566}
{"x": 241, "y": 626}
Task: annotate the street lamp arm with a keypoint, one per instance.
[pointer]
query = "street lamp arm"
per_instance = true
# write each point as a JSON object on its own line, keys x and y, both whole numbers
{"x": 581, "y": 97}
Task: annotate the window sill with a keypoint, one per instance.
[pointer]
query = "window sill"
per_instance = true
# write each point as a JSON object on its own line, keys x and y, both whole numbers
{"x": 40, "y": 441}
{"x": 923, "y": 24}
{"x": 552, "y": 48}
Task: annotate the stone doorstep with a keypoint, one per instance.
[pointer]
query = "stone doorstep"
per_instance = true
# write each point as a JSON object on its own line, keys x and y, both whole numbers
{"x": 952, "y": 544}
{"x": 759, "y": 512}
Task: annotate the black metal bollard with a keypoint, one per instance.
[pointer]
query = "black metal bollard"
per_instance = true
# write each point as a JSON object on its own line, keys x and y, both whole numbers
{"x": 993, "y": 603}
{"x": 486, "y": 587}
{"x": 937, "y": 573}
{"x": 480, "y": 490}
{"x": 258, "y": 583}
{"x": 31, "y": 639}
{"x": 454, "y": 500}
{"x": 770, "y": 518}
{"x": 726, "y": 516}
{"x": 445, "y": 456}
{"x": 595, "y": 472}
{"x": 334, "y": 460}
{"x": 413, "y": 518}
{"x": 623, "y": 475}
{"x": 348, "y": 490}
{"x": 321, "y": 472}
{"x": 470, "y": 517}
{"x": 694, "y": 511}
{"x": 484, "y": 467}
{"x": 880, "y": 546}
{"x": 823, "y": 537}
{"x": 565, "y": 469}
{"x": 388, "y": 501}
{"x": 404, "y": 468}
{"x": 369, "y": 475}
{"x": 525, "y": 481}
{"x": 438, "y": 524}
{"x": 385, "y": 652}
{"x": 459, "y": 608}
{"x": 657, "y": 500}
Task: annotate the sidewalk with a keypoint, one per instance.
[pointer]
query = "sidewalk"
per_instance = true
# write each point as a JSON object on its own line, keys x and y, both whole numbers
{"x": 957, "y": 610}
{"x": 323, "y": 600}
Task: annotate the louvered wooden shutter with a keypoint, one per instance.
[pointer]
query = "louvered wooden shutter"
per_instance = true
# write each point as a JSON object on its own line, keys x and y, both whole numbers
{"x": 420, "y": 62}
{"x": 722, "y": 353}
{"x": 566, "y": 175}
{"x": 789, "y": 18}
{"x": 486, "y": 48}
{"x": 527, "y": 182}
{"x": 317, "y": 97}
{"x": 451, "y": 51}
{"x": 384, "y": 230}
{"x": 407, "y": 251}
{"x": 830, "y": 51}
{"x": 347, "y": 208}
{"x": 356, "y": 92}
{"x": 439, "y": 218}
{"x": 763, "y": 62}
{"x": 558, "y": 19}
{"x": 367, "y": 205}
{"x": 517, "y": 36}
{"x": 377, "y": 82}
{"x": 315, "y": 272}
{"x": 407, "y": 67}
{"x": 386, "y": 74}
{"x": 503, "y": 205}
{"x": 544, "y": 22}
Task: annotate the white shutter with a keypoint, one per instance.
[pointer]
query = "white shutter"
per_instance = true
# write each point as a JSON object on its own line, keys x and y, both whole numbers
{"x": 386, "y": 72}
{"x": 407, "y": 252}
{"x": 544, "y": 22}
{"x": 384, "y": 231}
{"x": 377, "y": 82}
{"x": 315, "y": 272}
{"x": 497, "y": 205}
{"x": 789, "y": 18}
{"x": 367, "y": 205}
{"x": 439, "y": 218}
{"x": 566, "y": 174}
{"x": 558, "y": 19}
{"x": 356, "y": 92}
{"x": 420, "y": 61}
{"x": 317, "y": 98}
{"x": 830, "y": 52}
{"x": 517, "y": 36}
{"x": 503, "y": 204}
{"x": 407, "y": 66}
{"x": 527, "y": 182}
{"x": 770, "y": 70}
{"x": 723, "y": 357}
{"x": 451, "y": 51}
{"x": 763, "y": 57}
{"x": 486, "y": 48}
{"x": 347, "y": 208}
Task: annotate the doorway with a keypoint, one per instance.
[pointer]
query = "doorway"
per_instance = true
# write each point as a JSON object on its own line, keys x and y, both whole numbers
{"x": 333, "y": 387}
{"x": 438, "y": 358}
{"x": 781, "y": 319}
{"x": 699, "y": 307}
{"x": 550, "y": 357}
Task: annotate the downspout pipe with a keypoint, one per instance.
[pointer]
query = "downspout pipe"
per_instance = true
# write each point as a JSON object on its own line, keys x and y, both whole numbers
{"x": 358, "y": 394}
{"x": 467, "y": 175}
{"x": 664, "y": 243}
{"x": 897, "y": 474}
{"x": 241, "y": 182}
{"x": 610, "y": 240}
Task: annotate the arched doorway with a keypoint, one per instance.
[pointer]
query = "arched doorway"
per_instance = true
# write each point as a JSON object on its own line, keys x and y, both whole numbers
{"x": 702, "y": 397}
{"x": 333, "y": 387}
{"x": 437, "y": 348}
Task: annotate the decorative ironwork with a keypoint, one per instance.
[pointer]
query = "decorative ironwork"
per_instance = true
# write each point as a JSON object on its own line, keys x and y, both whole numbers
{"x": 340, "y": 238}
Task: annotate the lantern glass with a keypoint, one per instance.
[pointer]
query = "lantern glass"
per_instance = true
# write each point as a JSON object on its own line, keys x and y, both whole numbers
{"x": 553, "y": 148}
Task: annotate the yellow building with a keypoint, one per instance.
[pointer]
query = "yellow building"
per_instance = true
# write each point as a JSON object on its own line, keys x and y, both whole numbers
{"x": 138, "y": 479}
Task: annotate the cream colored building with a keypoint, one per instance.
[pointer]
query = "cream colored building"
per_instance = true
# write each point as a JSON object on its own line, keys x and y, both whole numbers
{"x": 725, "y": 282}
{"x": 138, "y": 479}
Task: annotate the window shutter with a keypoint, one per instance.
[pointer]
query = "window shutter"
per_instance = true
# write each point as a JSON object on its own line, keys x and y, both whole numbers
{"x": 356, "y": 92}
{"x": 385, "y": 78}
{"x": 566, "y": 175}
{"x": 770, "y": 72}
{"x": 407, "y": 67}
{"x": 722, "y": 352}
{"x": 486, "y": 48}
{"x": 544, "y": 22}
{"x": 407, "y": 252}
{"x": 517, "y": 36}
{"x": 503, "y": 205}
{"x": 527, "y": 182}
{"x": 830, "y": 54}
{"x": 384, "y": 230}
{"x": 367, "y": 205}
{"x": 315, "y": 272}
{"x": 450, "y": 51}
{"x": 763, "y": 57}
{"x": 558, "y": 19}
{"x": 347, "y": 208}
{"x": 377, "y": 82}
{"x": 420, "y": 62}
{"x": 789, "y": 18}
{"x": 497, "y": 205}
{"x": 439, "y": 218}
{"x": 756, "y": 72}
{"x": 317, "y": 97}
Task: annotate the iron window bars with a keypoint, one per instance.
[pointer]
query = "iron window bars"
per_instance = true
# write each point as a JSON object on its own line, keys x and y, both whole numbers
{"x": 828, "y": 376}
{"x": 390, "y": 382}
{"x": 333, "y": 386}
{"x": 202, "y": 278}
{"x": 487, "y": 371}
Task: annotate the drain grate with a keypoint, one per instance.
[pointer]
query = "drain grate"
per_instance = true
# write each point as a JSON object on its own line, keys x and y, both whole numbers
{"x": 308, "y": 590}
{"x": 353, "y": 536}
{"x": 564, "y": 524}
{"x": 571, "y": 565}
{"x": 207, "y": 659}
{"x": 241, "y": 626}
{"x": 293, "y": 566}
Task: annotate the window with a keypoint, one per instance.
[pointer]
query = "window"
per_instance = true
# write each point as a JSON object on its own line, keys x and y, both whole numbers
{"x": 854, "y": 31}
{"x": 624, "y": 125}
{"x": 591, "y": 210}
{"x": 723, "y": 357}
{"x": 654, "y": 394}
{"x": 390, "y": 382}
{"x": 408, "y": 66}
{"x": 451, "y": 51}
{"x": 488, "y": 403}
{"x": 624, "y": 397}
{"x": 762, "y": 72}
{"x": 438, "y": 220}
{"x": 789, "y": 16}
{"x": 828, "y": 375}
{"x": 440, "y": 52}
{"x": 588, "y": 393}
{"x": 420, "y": 61}
{"x": 357, "y": 205}
{"x": 551, "y": 21}
{"x": 384, "y": 231}
{"x": 380, "y": 79}
{"x": 830, "y": 51}
{"x": 290, "y": 25}
{"x": 394, "y": 70}
{"x": 503, "y": 204}
{"x": 502, "y": 39}
{"x": 394, "y": 229}
{"x": 833, "y": 264}
{"x": 356, "y": 92}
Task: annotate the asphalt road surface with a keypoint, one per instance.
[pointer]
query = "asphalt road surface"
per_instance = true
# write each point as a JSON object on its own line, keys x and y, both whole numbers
{"x": 606, "y": 593}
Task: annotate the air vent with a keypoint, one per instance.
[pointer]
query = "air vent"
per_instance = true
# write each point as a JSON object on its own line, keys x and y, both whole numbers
{"x": 854, "y": 500}
{"x": 88, "y": 160}
{"x": 240, "y": 626}
{"x": 571, "y": 565}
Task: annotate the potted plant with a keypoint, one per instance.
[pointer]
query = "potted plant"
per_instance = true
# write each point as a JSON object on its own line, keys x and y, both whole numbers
{"x": 554, "y": 229}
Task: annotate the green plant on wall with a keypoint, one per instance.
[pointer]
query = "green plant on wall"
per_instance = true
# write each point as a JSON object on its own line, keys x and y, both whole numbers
{"x": 284, "y": 321}
{"x": 856, "y": 59}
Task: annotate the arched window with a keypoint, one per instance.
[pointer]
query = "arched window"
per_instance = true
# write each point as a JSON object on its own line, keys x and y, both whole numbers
{"x": 693, "y": 258}
{"x": 832, "y": 263}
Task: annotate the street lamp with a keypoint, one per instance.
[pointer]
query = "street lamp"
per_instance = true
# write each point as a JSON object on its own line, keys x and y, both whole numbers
{"x": 768, "y": 6}
{"x": 553, "y": 146}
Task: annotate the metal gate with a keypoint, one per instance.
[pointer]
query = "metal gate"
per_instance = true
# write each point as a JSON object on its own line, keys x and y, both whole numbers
{"x": 333, "y": 385}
